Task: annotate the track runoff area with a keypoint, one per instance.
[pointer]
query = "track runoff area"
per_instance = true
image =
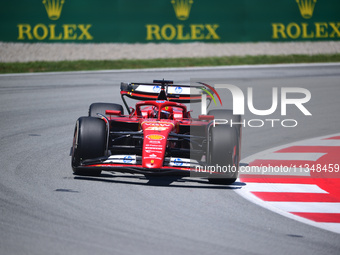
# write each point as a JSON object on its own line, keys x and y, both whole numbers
{"x": 298, "y": 180}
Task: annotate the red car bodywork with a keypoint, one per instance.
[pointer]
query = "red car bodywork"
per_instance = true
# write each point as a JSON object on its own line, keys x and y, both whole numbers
{"x": 157, "y": 132}
{"x": 158, "y": 136}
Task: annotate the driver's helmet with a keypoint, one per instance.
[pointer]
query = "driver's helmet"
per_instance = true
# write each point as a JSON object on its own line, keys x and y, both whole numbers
{"x": 167, "y": 112}
{"x": 153, "y": 113}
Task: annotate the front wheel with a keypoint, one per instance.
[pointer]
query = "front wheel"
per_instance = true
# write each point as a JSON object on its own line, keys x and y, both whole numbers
{"x": 224, "y": 154}
{"x": 90, "y": 139}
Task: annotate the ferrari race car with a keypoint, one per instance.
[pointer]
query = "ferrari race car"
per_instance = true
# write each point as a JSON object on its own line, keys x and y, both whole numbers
{"x": 158, "y": 136}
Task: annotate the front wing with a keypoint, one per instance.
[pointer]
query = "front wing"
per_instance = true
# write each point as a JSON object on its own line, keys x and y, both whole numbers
{"x": 133, "y": 164}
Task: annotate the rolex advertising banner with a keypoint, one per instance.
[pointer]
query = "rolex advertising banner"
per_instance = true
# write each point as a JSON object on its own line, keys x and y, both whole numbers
{"x": 142, "y": 21}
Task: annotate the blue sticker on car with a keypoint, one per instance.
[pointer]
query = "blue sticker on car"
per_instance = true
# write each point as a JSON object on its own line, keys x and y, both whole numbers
{"x": 178, "y": 90}
{"x": 178, "y": 162}
{"x": 156, "y": 89}
{"x": 127, "y": 159}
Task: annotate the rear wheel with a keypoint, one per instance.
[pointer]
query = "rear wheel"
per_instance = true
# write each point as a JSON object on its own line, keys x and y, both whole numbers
{"x": 102, "y": 107}
{"x": 90, "y": 138}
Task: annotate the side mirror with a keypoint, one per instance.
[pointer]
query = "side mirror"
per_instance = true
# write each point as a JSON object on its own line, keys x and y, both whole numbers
{"x": 113, "y": 112}
{"x": 206, "y": 117}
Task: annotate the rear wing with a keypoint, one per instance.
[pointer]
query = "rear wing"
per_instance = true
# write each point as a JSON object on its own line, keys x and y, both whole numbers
{"x": 167, "y": 90}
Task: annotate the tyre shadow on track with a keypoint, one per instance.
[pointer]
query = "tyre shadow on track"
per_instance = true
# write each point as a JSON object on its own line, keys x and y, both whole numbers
{"x": 159, "y": 181}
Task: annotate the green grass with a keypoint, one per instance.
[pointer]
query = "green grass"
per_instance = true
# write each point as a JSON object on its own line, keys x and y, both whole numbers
{"x": 157, "y": 63}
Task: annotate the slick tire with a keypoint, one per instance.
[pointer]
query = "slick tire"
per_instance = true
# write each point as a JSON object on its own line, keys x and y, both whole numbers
{"x": 226, "y": 114}
{"x": 224, "y": 154}
{"x": 90, "y": 138}
{"x": 102, "y": 107}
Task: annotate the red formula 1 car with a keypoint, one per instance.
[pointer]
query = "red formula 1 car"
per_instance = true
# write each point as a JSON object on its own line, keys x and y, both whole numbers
{"x": 158, "y": 136}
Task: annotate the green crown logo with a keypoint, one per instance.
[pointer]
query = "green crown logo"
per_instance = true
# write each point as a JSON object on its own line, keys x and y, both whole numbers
{"x": 306, "y": 8}
{"x": 53, "y": 8}
{"x": 182, "y": 8}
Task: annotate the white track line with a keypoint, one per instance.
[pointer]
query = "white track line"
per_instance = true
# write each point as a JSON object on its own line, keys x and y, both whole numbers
{"x": 334, "y": 227}
{"x": 283, "y": 187}
{"x": 307, "y": 207}
{"x": 177, "y": 69}
{"x": 320, "y": 143}
{"x": 292, "y": 156}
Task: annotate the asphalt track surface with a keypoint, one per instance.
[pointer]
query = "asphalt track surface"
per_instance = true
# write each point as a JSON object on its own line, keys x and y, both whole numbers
{"x": 45, "y": 209}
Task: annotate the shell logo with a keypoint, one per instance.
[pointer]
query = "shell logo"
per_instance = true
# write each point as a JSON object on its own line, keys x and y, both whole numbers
{"x": 155, "y": 137}
{"x": 157, "y": 128}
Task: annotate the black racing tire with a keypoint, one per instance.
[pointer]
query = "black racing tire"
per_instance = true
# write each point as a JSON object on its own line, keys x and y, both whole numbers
{"x": 224, "y": 154}
{"x": 102, "y": 107}
{"x": 227, "y": 115}
{"x": 90, "y": 139}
